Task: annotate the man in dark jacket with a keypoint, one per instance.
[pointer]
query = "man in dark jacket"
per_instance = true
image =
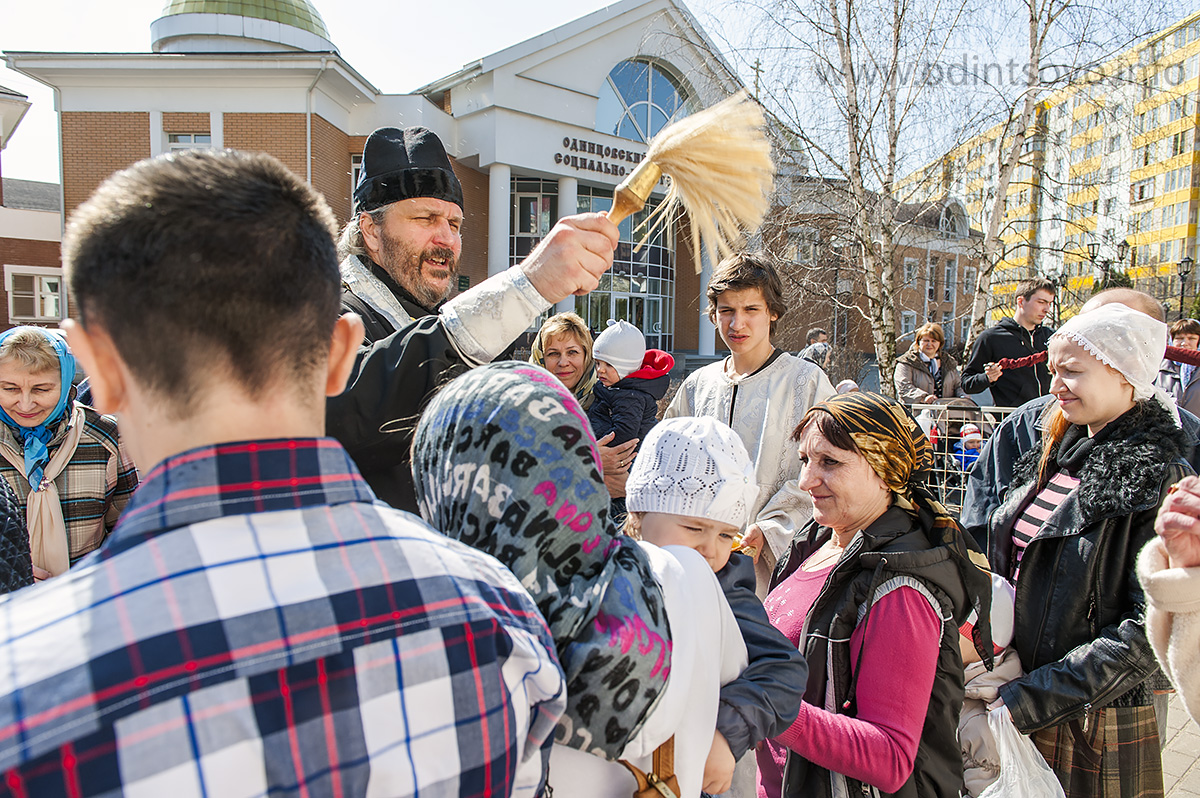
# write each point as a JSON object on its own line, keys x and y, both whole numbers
{"x": 1020, "y": 336}
{"x": 400, "y": 253}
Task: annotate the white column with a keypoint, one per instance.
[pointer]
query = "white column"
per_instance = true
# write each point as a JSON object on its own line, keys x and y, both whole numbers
{"x": 157, "y": 139}
{"x": 216, "y": 129}
{"x": 708, "y": 331}
{"x": 568, "y": 203}
{"x": 499, "y": 216}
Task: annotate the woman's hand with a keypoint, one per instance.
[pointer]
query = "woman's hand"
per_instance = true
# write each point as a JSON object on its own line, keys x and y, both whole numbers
{"x": 718, "y": 768}
{"x": 616, "y": 459}
{"x": 753, "y": 542}
{"x": 615, "y": 462}
{"x": 41, "y": 574}
{"x": 1178, "y": 523}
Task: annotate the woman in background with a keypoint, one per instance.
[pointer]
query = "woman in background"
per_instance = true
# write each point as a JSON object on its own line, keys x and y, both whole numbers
{"x": 925, "y": 373}
{"x": 63, "y": 459}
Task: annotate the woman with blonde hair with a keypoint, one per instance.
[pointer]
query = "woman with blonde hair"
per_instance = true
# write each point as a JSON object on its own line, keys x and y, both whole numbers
{"x": 925, "y": 373}
{"x": 563, "y": 347}
{"x": 1068, "y": 533}
{"x": 63, "y": 459}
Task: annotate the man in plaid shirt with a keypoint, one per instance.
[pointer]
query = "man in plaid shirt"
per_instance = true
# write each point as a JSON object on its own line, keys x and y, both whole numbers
{"x": 256, "y": 624}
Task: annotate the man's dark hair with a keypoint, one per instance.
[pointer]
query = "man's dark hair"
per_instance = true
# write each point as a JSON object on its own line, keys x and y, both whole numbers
{"x": 1027, "y": 288}
{"x": 814, "y": 334}
{"x": 205, "y": 262}
{"x": 747, "y": 270}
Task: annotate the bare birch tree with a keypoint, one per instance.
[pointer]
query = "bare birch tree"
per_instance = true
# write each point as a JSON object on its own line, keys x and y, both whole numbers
{"x": 842, "y": 81}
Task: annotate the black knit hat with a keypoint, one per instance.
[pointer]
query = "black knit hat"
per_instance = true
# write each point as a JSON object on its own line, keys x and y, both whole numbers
{"x": 403, "y": 164}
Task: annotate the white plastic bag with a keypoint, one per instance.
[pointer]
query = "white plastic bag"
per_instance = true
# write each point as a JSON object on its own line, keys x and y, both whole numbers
{"x": 1023, "y": 771}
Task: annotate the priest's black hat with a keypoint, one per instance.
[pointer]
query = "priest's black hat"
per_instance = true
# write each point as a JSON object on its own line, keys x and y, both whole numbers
{"x": 403, "y": 164}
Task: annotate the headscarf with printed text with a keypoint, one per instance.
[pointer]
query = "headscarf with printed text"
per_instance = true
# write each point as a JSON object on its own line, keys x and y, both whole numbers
{"x": 504, "y": 460}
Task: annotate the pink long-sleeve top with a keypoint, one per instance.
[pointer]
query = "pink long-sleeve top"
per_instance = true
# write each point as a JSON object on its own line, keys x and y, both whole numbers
{"x": 894, "y": 685}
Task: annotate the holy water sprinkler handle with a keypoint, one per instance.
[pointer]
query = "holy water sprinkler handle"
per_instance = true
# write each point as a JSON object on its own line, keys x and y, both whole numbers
{"x": 630, "y": 197}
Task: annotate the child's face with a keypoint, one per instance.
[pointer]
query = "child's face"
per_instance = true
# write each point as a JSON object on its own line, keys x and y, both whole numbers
{"x": 713, "y": 539}
{"x": 606, "y": 373}
{"x": 972, "y": 443}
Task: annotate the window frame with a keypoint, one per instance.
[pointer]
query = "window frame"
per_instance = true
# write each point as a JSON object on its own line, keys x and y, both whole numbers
{"x": 183, "y": 146}
{"x": 39, "y": 273}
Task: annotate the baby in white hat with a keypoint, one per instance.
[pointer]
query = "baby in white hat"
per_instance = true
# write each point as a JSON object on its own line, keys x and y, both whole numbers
{"x": 632, "y": 380}
{"x": 693, "y": 485}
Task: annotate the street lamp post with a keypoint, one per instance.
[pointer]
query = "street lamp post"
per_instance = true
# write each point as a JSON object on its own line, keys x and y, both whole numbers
{"x": 1093, "y": 253}
{"x": 1185, "y": 268}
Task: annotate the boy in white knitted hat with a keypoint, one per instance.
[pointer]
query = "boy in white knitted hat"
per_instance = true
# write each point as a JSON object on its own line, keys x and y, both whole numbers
{"x": 693, "y": 485}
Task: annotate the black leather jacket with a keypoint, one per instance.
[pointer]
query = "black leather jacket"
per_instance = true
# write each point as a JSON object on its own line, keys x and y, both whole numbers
{"x": 1079, "y": 628}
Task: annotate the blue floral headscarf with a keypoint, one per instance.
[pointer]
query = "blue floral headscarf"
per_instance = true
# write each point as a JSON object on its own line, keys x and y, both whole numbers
{"x": 36, "y": 439}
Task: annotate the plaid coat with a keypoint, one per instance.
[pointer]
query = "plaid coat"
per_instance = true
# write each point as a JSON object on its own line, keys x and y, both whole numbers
{"x": 257, "y": 625}
{"x": 94, "y": 487}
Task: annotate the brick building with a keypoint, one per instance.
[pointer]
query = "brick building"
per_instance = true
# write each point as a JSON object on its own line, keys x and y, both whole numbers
{"x": 935, "y": 260}
{"x": 30, "y": 236}
{"x": 540, "y": 130}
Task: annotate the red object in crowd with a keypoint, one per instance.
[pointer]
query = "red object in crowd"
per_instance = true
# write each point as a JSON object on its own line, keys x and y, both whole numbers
{"x": 1189, "y": 356}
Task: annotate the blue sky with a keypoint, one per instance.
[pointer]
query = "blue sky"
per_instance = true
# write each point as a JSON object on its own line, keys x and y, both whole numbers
{"x": 400, "y": 46}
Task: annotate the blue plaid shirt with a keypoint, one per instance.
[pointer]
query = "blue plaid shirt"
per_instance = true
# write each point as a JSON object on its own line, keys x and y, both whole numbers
{"x": 257, "y": 625}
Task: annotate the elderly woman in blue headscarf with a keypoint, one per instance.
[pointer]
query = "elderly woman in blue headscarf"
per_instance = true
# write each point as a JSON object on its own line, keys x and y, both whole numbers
{"x": 63, "y": 459}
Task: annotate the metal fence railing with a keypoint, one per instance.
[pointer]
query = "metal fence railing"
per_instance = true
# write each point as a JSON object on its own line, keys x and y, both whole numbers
{"x": 943, "y": 423}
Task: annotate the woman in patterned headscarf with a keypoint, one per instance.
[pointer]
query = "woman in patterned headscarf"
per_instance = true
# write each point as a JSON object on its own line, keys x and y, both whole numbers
{"x": 504, "y": 460}
{"x": 873, "y": 591}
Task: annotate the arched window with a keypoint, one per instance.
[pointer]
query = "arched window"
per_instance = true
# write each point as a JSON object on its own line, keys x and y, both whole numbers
{"x": 638, "y": 99}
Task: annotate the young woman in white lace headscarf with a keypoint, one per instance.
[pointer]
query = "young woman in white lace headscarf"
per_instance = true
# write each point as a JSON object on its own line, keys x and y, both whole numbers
{"x": 1068, "y": 533}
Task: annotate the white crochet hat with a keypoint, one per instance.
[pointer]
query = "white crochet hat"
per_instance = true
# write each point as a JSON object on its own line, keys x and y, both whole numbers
{"x": 621, "y": 346}
{"x": 696, "y": 467}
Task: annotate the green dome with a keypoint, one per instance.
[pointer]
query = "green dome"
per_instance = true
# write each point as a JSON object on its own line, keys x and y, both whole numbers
{"x": 297, "y": 13}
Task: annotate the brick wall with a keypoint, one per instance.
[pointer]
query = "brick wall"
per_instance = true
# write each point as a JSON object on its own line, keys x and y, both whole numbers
{"x": 23, "y": 252}
{"x": 96, "y": 144}
{"x": 176, "y": 122}
{"x": 331, "y": 166}
{"x": 281, "y": 135}
{"x": 475, "y": 224}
